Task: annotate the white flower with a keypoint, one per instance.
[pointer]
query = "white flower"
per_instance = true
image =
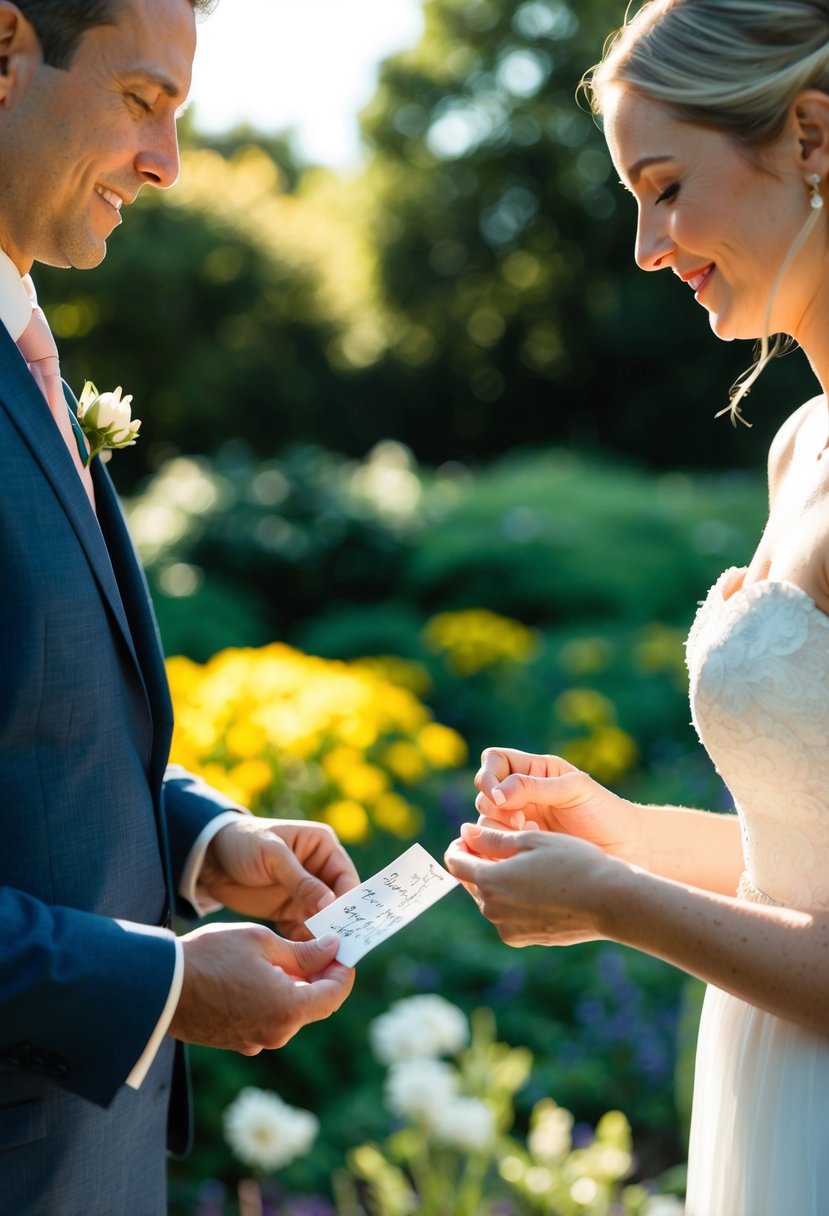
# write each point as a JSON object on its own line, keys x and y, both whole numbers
{"x": 663, "y": 1205}
{"x": 106, "y": 420}
{"x": 265, "y": 1132}
{"x": 419, "y": 1088}
{"x": 467, "y": 1124}
{"x": 419, "y": 1026}
{"x": 550, "y": 1137}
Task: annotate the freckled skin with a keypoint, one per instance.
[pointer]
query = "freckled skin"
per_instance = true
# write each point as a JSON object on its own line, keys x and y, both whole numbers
{"x": 661, "y": 879}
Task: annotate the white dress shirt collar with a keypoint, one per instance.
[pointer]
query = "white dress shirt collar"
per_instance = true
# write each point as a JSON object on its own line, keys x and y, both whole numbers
{"x": 15, "y": 302}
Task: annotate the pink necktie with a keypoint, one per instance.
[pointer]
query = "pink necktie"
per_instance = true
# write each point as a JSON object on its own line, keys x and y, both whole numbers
{"x": 37, "y": 346}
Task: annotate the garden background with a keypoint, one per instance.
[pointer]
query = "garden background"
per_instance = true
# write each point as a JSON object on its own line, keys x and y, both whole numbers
{"x": 427, "y": 464}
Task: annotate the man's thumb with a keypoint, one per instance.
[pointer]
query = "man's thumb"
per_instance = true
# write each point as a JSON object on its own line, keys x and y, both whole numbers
{"x": 306, "y": 959}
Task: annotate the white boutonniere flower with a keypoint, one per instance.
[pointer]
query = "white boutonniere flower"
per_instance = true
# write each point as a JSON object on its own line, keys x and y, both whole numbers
{"x": 106, "y": 420}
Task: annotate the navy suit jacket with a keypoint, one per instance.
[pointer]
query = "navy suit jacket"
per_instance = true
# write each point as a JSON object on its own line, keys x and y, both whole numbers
{"x": 94, "y": 829}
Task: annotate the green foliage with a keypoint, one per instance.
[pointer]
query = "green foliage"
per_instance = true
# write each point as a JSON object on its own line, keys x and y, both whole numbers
{"x": 602, "y": 1022}
{"x": 288, "y": 535}
{"x": 350, "y": 559}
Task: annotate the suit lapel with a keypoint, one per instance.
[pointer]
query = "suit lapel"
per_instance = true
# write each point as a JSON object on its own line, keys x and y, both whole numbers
{"x": 25, "y": 405}
{"x": 142, "y": 624}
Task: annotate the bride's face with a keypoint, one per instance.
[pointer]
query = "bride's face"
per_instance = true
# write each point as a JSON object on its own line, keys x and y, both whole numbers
{"x": 722, "y": 220}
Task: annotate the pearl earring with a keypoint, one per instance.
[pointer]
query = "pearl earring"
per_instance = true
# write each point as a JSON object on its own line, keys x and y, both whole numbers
{"x": 815, "y": 196}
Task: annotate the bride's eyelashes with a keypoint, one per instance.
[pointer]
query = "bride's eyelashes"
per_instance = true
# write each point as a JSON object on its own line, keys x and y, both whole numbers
{"x": 668, "y": 193}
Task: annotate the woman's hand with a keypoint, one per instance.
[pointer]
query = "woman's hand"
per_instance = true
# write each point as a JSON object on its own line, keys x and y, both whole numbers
{"x": 519, "y": 789}
{"x": 537, "y": 888}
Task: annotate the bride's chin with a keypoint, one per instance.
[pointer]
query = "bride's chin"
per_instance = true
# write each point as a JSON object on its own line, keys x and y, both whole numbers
{"x": 728, "y": 331}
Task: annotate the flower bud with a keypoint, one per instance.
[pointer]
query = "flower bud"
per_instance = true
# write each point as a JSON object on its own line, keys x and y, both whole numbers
{"x": 106, "y": 419}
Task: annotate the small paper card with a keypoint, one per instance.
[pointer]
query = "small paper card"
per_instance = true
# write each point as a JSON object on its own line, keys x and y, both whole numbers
{"x": 383, "y": 904}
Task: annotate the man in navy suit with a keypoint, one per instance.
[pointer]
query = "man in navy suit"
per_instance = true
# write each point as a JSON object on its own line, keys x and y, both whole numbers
{"x": 100, "y": 842}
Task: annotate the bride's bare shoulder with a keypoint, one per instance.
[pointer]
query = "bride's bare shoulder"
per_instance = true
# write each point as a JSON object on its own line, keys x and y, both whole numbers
{"x": 795, "y": 433}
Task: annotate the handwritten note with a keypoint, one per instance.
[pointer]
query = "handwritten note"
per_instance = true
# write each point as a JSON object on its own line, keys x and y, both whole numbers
{"x": 383, "y": 904}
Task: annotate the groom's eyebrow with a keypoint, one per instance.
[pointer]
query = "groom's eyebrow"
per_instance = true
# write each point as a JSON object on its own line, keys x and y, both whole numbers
{"x": 161, "y": 81}
{"x": 165, "y": 84}
{"x": 636, "y": 170}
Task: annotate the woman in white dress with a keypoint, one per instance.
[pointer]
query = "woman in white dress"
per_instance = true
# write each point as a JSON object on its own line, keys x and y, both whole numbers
{"x": 716, "y": 114}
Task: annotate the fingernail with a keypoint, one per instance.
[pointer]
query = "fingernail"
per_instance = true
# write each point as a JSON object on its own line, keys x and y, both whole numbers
{"x": 325, "y": 900}
{"x": 499, "y": 797}
{"x": 330, "y": 939}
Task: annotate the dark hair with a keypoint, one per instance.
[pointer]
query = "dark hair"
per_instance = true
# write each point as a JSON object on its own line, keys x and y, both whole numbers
{"x": 60, "y": 24}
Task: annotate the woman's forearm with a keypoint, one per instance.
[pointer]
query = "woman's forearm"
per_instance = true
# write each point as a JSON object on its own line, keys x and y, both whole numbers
{"x": 772, "y": 957}
{"x": 700, "y": 848}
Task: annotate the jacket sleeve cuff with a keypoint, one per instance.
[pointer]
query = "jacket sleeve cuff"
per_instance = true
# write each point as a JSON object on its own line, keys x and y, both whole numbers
{"x": 189, "y": 888}
{"x": 142, "y": 1067}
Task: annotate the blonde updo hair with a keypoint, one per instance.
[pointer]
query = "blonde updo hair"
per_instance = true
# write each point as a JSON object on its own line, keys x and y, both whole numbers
{"x": 732, "y": 65}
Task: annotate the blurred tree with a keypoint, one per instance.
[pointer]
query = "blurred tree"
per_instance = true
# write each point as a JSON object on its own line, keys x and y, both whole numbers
{"x": 517, "y": 314}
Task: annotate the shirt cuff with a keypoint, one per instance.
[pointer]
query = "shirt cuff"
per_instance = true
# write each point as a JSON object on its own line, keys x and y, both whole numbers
{"x": 142, "y": 1067}
{"x": 189, "y": 886}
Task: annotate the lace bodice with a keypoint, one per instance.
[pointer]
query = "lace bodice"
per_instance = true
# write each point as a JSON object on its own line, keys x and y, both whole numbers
{"x": 758, "y": 661}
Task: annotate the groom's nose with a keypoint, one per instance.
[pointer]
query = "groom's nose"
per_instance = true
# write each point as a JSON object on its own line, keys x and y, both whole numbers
{"x": 158, "y": 163}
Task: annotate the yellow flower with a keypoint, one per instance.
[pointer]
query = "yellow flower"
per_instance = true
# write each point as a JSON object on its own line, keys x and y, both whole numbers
{"x": 400, "y": 710}
{"x": 253, "y": 776}
{"x": 184, "y": 675}
{"x": 584, "y": 707}
{"x": 339, "y": 760}
{"x": 218, "y": 776}
{"x": 476, "y": 638}
{"x": 357, "y": 733}
{"x": 660, "y": 648}
{"x": 395, "y": 815}
{"x": 607, "y": 754}
{"x": 364, "y": 782}
{"x": 442, "y": 746}
{"x": 245, "y": 739}
{"x": 404, "y": 672}
{"x": 404, "y": 760}
{"x": 349, "y": 820}
{"x": 278, "y": 725}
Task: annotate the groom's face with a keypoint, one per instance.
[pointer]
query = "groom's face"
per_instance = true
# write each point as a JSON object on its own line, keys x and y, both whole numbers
{"x": 85, "y": 141}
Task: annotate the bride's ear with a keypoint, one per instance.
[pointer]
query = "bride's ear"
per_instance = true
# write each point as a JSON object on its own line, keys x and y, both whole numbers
{"x": 810, "y": 117}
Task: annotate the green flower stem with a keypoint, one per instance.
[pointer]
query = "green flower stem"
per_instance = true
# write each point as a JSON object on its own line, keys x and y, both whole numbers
{"x": 470, "y": 1193}
{"x": 433, "y": 1181}
{"x": 420, "y": 1167}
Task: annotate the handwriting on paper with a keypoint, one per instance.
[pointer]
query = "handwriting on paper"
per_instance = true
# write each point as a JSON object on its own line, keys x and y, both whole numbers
{"x": 383, "y": 904}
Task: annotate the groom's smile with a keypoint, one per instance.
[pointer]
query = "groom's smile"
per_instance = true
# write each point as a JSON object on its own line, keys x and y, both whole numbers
{"x": 115, "y": 201}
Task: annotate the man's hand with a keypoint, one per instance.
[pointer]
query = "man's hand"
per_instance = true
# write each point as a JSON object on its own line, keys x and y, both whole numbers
{"x": 282, "y": 870}
{"x": 246, "y": 989}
